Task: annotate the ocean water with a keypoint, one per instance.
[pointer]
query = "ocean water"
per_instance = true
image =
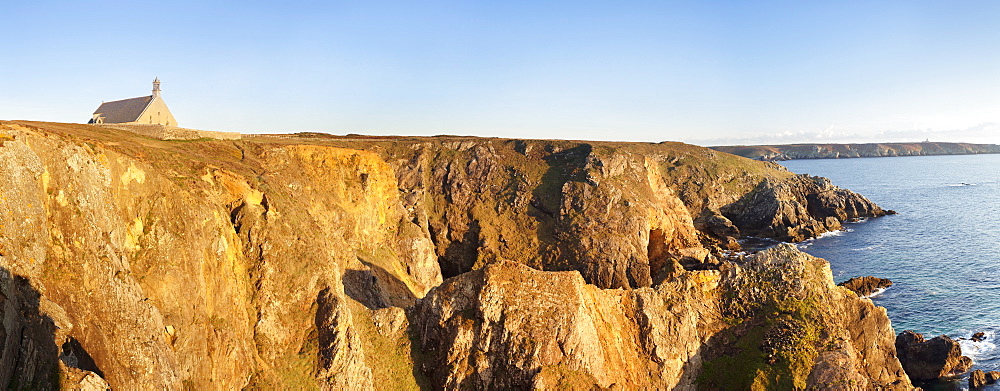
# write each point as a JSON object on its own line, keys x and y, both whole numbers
{"x": 942, "y": 251}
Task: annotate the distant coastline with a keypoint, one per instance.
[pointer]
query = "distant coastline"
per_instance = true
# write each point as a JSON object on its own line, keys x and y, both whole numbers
{"x": 843, "y": 151}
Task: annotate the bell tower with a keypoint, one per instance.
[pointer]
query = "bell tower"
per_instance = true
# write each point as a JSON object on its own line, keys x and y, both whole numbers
{"x": 156, "y": 87}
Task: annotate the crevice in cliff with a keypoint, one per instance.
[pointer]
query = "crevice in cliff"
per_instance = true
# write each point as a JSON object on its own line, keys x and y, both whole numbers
{"x": 326, "y": 322}
{"x": 74, "y": 355}
{"x": 235, "y": 217}
{"x": 460, "y": 254}
{"x": 247, "y": 221}
{"x": 657, "y": 254}
{"x": 264, "y": 203}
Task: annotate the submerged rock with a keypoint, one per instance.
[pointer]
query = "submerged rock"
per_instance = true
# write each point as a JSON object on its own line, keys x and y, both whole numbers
{"x": 866, "y": 286}
{"x": 935, "y": 358}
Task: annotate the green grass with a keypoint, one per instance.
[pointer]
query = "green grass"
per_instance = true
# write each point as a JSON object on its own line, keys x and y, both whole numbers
{"x": 748, "y": 365}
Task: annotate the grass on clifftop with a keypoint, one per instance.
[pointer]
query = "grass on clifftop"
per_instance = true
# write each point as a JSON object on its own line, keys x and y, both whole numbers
{"x": 774, "y": 350}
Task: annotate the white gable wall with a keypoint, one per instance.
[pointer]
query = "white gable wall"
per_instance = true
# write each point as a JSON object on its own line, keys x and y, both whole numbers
{"x": 156, "y": 113}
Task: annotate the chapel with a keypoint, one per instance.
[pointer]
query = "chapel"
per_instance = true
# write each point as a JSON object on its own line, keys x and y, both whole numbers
{"x": 144, "y": 110}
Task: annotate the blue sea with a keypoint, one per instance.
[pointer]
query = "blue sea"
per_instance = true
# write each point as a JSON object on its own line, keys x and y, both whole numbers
{"x": 940, "y": 251}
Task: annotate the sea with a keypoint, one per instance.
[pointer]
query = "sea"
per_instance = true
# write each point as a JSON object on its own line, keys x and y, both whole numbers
{"x": 941, "y": 251}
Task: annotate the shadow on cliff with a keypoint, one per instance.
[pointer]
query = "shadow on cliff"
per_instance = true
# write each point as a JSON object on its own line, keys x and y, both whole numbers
{"x": 564, "y": 166}
{"x": 376, "y": 288}
{"x": 29, "y": 357}
{"x": 460, "y": 256}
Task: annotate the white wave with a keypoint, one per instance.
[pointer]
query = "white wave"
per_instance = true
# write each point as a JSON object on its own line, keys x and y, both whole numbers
{"x": 877, "y": 292}
{"x": 838, "y": 232}
{"x": 961, "y": 184}
{"x": 737, "y": 254}
{"x": 866, "y": 248}
{"x": 972, "y": 348}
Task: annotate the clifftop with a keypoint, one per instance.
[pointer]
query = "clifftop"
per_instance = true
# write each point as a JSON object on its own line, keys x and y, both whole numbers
{"x": 841, "y": 151}
{"x": 327, "y": 262}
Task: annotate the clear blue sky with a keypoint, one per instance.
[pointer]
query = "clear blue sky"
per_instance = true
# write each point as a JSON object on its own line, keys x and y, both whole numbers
{"x": 697, "y": 71}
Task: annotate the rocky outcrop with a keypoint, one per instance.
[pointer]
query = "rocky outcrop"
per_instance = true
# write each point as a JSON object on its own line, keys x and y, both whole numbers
{"x": 532, "y": 329}
{"x": 808, "y": 333}
{"x": 841, "y": 151}
{"x": 866, "y": 286}
{"x": 930, "y": 359}
{"x": 303, "y": 262}
{"x": 718, "y": 228}
{"x": 798, "y": 208}
{"x": 977, "y": 379}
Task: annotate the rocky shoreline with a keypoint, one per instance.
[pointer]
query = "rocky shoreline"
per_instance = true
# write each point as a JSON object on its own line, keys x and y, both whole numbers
{"x": 844, "y": 151}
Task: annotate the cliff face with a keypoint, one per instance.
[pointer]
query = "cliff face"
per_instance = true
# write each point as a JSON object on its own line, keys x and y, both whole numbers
{"x": 617, "y": 212}
{"x": 841, "y": 151}
{"x": 172, "y": 268}
{"x": 302, "y": 262}
{"x": 510, "y": 326}
{"x": 776, "y": 321}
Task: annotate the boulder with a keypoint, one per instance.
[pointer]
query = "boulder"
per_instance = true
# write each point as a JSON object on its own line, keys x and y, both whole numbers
{"x": 930, "y": 359}
{"x": 718, "y": 227}
{"x": 992, "y": 377}
{"x": 866, "y": 286}
{"x": 978, "y": 337}
{"x": 977, "y": 379}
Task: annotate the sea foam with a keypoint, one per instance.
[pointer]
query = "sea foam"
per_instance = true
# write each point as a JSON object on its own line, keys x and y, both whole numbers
{"x": 808, "y": 242}
{"x": 877, "y": 292}
{"x": 974, "y": 349}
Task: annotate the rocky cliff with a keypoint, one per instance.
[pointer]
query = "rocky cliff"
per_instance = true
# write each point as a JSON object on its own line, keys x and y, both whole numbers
{"x": 841, "y": 151}
{"x": 334, "y": 262}
{"x": 776, "y": 321}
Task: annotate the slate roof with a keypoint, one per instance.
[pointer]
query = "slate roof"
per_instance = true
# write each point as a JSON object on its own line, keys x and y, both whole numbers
{"x": 125, "y": 110}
